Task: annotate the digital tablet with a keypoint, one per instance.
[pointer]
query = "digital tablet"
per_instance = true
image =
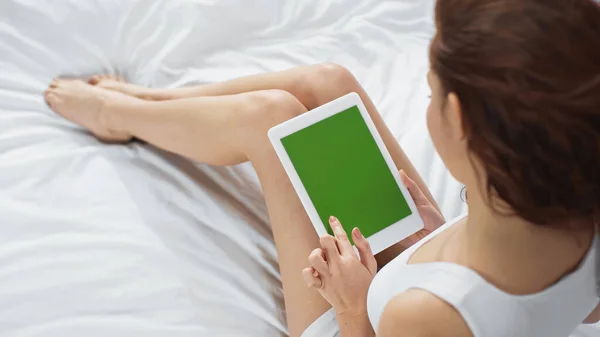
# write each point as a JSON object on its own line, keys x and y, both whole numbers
{"x": 339, "y": 166}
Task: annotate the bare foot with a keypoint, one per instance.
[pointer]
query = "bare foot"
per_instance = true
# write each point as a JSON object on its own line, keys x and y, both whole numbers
{"x": 115, "y": 83}
{"x": 88, "y": 106}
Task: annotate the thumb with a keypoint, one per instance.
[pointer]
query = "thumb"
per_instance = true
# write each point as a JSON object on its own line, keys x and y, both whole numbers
{"x": 414, "y": 190}
{"x": 364, "y": 250}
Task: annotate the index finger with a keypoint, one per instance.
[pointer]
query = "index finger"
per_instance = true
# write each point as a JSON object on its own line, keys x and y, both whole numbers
{"x": 340, "y": 234}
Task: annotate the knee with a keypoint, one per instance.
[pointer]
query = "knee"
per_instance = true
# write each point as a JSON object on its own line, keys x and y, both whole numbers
{"x": 326, "y": 82}
{"x": 333, "y": 73}
{"x": 259, "y": 111}
{"x": 272, "y": 107}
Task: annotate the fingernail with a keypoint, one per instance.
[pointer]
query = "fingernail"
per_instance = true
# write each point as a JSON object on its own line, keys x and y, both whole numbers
{"x": 333, "y": 219}
{"x": 360, "y": 235}
{"x": 402, "y": 171}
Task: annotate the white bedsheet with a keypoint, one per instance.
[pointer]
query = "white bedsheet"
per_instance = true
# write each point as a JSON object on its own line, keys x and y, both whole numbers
{"x": 101, "y": 240}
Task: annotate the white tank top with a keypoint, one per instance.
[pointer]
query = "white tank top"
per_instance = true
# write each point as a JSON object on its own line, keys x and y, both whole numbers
{"x": 487, "y": 310}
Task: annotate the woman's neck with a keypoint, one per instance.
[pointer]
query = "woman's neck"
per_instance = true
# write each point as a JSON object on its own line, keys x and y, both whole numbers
{"x": 504, "y": 248}
{"x": 485, "y": 223}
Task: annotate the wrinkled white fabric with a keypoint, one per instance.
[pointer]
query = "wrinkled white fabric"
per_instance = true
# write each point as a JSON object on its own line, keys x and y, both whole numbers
{"x": 112, "y": 240}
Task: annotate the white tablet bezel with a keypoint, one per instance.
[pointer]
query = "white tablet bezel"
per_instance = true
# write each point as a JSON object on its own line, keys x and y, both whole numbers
{"x": 380, "y": 240}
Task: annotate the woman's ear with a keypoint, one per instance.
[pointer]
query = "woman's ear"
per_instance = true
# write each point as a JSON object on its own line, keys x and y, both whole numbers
{"x": 455, "y": 116}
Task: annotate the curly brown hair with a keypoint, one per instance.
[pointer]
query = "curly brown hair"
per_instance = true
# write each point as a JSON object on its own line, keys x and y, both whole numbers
{"x": 527, "y": 74}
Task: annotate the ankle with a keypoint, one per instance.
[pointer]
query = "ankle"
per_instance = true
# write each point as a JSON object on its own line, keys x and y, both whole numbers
{"x": 113, "y": 115}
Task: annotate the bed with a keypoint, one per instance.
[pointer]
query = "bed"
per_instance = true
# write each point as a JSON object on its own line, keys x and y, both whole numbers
{"x": 113, "y": 240}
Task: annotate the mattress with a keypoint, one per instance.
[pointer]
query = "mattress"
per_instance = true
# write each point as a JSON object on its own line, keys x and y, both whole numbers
{"x": 127, "y": 240}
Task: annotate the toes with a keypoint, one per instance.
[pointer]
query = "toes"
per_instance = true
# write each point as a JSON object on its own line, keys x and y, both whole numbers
{"x": 60, "y": 82}
{"x": 95, "y": 79}
{"x": 48, "y": 92}
{"x": 51, "y": 98}
{"x": 54, "y": 83}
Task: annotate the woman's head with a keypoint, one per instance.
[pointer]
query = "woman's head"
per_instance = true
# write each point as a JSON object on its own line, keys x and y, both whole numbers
{"x": 515, "y": 103}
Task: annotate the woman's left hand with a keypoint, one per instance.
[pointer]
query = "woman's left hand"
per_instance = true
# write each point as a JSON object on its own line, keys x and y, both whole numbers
{"x": 338, "y": 274}
{"x": 431, "y": 216}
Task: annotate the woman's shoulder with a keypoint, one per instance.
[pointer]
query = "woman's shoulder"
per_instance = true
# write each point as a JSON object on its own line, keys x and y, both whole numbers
{"x": 419, "y": 313}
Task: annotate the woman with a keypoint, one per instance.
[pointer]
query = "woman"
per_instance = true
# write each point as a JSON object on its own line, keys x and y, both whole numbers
{"x": 514, "y": 114}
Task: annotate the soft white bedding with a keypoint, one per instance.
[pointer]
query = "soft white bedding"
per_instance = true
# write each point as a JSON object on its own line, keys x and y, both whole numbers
{"x": 101, "y": 240}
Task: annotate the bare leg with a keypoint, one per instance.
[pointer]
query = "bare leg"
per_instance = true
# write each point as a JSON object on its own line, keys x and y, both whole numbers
{"x": 312, "y": 85}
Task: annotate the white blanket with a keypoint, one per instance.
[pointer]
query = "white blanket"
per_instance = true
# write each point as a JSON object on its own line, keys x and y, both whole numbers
{"x": 105, "y": 240}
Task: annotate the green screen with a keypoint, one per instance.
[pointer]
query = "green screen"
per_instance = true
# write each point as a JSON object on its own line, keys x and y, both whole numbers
{"x": 345, "y": 174}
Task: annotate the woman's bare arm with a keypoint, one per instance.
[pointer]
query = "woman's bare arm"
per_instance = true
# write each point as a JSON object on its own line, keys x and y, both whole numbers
{"x": 594, "y": 316}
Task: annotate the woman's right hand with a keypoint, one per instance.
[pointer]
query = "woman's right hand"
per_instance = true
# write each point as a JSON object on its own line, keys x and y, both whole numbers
{"x": 432, "y": 218}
